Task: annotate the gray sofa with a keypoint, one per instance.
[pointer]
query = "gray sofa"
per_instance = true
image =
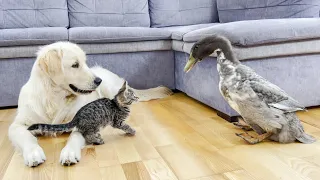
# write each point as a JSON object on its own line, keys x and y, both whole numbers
{"x": 148, "y": 41}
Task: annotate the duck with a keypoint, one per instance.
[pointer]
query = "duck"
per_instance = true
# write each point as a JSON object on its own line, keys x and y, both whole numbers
{"x": 264, "y": 106}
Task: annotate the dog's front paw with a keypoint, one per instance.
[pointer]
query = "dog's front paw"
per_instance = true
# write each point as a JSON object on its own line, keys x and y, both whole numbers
{"x": 70, "y": 156}
{"x": 34, "y": 156}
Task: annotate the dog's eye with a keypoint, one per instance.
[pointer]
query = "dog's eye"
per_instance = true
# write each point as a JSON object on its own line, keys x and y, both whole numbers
{"x": 75, "y": 65}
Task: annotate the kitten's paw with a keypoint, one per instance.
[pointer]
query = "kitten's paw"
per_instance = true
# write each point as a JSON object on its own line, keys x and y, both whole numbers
{"x": 132, "y": 132}
{"x": 98, "y": 142}
{"x": 70, "y": 156}
{"x": 34, "y": 156}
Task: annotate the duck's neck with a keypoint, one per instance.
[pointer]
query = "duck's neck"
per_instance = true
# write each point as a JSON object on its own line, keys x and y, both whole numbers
{"x": 225, "y": 66}
{"x": 227, "y": 54}
{"x": 225, "y": 46}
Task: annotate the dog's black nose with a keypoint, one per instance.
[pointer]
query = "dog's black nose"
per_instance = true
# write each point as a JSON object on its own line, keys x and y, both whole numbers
{"x": 97, "y": 81}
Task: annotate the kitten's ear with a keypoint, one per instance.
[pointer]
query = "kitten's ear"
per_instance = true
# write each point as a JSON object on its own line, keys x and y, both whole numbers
{"x": 124, "y": 87}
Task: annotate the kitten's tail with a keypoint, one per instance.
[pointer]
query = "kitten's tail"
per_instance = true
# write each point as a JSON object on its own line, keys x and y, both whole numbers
{"x": 52, "y": 129}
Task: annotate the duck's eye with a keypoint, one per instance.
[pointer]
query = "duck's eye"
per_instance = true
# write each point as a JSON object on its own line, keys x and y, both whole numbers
{"x": 75, "y": 65}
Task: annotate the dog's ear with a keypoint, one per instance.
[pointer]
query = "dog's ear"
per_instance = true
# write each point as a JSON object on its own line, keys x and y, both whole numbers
{"x": 50, "y": 61}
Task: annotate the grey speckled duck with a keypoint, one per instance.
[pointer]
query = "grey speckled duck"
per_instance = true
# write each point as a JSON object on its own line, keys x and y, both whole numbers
{"x": 266, "y": 108}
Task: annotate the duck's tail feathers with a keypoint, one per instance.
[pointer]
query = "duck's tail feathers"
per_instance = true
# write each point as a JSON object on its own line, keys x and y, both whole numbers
{"x": 306, "y": 138}
{"x": 296, "y": 127}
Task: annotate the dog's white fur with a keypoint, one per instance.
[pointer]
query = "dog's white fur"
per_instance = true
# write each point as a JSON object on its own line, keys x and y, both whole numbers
{"x": 47, "y": 98}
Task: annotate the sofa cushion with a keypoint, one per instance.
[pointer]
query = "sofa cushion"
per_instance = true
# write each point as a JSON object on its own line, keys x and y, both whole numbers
{"x": 179, "y": 31}
{"x": 258, "y": 32}
{"x": 235, "y": 10}
{"x": 13, "y": 52}
{"x": 110, "y": 13}
{"x": 32, "y": 36}
{"x": 33, "y": 13}
{"x": 182, "y": 12}
{"x": 310, "y": 46}
{"x": 116, "y": 34}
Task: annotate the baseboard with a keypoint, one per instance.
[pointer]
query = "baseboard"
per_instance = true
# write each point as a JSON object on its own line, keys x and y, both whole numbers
{"x": 8, "y": 107}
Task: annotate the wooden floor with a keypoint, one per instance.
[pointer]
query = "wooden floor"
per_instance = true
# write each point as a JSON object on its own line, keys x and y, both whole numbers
{"x": 177, "y": 138}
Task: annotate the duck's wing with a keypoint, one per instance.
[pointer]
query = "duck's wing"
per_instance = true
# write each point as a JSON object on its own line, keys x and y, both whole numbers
{"x": 270, "y": 93}
{"x": 274, "y": 96}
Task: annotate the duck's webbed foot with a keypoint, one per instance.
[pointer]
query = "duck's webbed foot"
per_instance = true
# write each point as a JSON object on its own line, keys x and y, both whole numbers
{"x": 242, "y": 124}
{"x": 254, "y": 140}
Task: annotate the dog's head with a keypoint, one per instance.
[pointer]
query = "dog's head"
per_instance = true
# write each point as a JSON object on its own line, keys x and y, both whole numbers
{"x": 65, "y": 64}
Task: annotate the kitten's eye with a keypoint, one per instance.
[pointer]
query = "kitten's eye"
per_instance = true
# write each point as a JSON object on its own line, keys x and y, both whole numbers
{"x": 75, "y": 65}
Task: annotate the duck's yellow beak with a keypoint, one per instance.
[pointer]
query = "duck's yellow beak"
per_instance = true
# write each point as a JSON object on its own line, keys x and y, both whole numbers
{"x": 190, "y": 64}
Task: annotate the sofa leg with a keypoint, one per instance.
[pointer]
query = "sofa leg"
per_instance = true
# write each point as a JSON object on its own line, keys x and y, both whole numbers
{"x": 227, "y": 117}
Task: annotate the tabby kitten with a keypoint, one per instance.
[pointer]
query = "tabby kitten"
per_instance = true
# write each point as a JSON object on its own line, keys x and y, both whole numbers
{"x": 94, "y": 116}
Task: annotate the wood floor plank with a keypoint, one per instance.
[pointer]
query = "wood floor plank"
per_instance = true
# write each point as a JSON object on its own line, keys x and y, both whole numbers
{"x": 9, "y": 115}
{"x": 305, "y": 168}
{"x": 193, "y": 117}
{"x": 3, "y": 115}
{"x": 218, "y": 163}
{"x": 313, "y": 111}
{"x": 219, "y": 140}
{"x": 189, "y": 106}
{"x": 301, "y": 165}
{"x": 159, "y": 170}
{"x": 208, "y": 153}
{"x": 171, "y": 120}
{"x": 295, "y": 149}
{"x": 310, "y": 118}
{"x": 48, "y": 145}
{"x": 184, "y": 163}
{"x": 80, "y": 171}
{"x": 314, "y": 159}
{"x": 113, "y": 173}
{"x": 6, "y": 153}
{"x": 238, "y": 175}
{"x": 309, "y": 128}
{"x": 214, "y": 177}
{"x": 143, "y": 146}
{"x": 88, "y": 154}
{"x": 107, "y": 155}
{"x": 157, "y": 135}
{"x": 127, "y": 153}
{"x": 44, "y": 172}
{"x": 136, "y": 171}
{"x": 192, "y": 141}
{"x": 18, "y": 170}
{"x": 261, "y": 163}
{"x": 3, "y": 131}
